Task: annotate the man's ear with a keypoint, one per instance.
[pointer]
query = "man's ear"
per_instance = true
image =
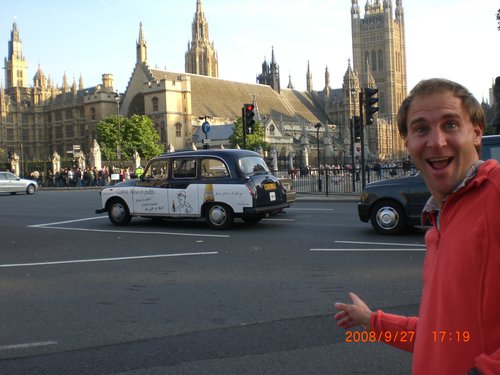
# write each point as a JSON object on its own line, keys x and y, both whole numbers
{"x": 478, "y": 132}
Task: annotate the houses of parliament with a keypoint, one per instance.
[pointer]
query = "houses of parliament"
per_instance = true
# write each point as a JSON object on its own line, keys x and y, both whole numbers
{"x": 39, "y": 117}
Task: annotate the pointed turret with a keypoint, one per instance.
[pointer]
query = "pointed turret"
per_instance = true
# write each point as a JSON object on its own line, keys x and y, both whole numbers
{"x": 65, "y": 85}
{"x": 290, "y": 85}
{"x": 355, "y": 9}
{"x": 80, "y": 83}
{"x": 39, "y": 79}
{"x": 399, "y": 10}
{"x": 309, "y": 78}
{"x": 141, "y": 47}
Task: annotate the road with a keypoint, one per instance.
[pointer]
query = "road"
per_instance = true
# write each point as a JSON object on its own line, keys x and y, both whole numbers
{"x": 81, "y": 296}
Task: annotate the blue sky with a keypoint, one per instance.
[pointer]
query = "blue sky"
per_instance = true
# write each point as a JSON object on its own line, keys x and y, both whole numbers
{"x": 456, "y": 39}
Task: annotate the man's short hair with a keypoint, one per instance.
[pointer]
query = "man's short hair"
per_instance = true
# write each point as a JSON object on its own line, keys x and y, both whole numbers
{"x": 440, "y": 85}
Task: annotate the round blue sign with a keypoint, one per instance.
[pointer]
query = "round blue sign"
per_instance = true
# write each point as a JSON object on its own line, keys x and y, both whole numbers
{"x": 205, "y": 127}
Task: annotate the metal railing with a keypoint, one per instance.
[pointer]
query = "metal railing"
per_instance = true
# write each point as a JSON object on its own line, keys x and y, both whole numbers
{"x": 339, "y": 180}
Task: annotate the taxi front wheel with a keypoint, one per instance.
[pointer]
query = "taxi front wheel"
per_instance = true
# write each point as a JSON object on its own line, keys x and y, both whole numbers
{"x": 219, "y": 216}
{"x": 118, "y": 213}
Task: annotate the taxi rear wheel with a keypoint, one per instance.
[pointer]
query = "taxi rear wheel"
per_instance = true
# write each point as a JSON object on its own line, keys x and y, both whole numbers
{"x": 219, "y": 216}
{"x": 119, "y": 213}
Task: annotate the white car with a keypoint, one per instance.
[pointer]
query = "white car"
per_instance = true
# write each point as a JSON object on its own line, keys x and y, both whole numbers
{"x": 10, "y": 183}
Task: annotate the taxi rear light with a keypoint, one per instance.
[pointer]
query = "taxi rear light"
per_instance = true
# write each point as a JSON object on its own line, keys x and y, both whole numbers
{"x": 251, "y": 190}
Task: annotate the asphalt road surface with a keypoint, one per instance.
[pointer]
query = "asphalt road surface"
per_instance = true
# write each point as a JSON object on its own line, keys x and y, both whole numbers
{"x": 81, "y": 296}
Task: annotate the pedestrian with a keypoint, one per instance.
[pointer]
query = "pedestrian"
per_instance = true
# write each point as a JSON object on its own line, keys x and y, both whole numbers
{"x": 458, "y": 327}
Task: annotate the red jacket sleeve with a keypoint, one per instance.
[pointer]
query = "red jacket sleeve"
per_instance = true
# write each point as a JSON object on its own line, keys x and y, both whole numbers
{"x": 396, "y": 330}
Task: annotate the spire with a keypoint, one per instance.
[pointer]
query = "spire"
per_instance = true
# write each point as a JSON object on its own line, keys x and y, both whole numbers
{"x": 290, "y": 85}
{"x": 327, "y": 77}
{"x": 65, "y": 85}
{"x": 141, "y": 47}
{"x": 80, "y": 83}
{"x": 309, "y": 86}
{"x": 201, "y": 57}
{"x": 15, "y": 63}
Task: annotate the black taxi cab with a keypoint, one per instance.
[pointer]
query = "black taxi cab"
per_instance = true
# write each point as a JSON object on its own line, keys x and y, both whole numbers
{"x": 217, "y": 185}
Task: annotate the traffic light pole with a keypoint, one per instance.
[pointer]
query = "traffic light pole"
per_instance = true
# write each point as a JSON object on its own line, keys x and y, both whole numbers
{"x": 362, "y": 136}
{"x": 244, "y": 127}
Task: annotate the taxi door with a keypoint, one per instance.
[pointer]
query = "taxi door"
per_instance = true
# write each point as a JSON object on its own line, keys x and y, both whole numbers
{"x": 150, "y": 194}
{"x": 183, "y": 188}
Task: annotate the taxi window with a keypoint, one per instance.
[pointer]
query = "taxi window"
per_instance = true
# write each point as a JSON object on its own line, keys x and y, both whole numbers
{"x": 213, "y": 168}
{"x": 158, "y": 169}
{"x": 184, "y": 168}
{"x": 253, "y": 164}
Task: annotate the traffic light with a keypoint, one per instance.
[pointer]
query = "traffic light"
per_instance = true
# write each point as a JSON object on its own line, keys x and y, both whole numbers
{"x": 249, "y": 115}
{"x": 357, "y": 129}
{"x": 370, "y": 102}
{"x": 9, "y": 156}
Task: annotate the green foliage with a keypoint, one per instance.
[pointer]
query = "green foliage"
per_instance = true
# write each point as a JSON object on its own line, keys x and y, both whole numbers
{"x": 253, "y": 141}
{"x": 137, "y": 133}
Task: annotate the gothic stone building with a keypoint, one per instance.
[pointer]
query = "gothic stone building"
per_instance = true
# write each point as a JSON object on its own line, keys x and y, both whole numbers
{"x": 44, "y": 118}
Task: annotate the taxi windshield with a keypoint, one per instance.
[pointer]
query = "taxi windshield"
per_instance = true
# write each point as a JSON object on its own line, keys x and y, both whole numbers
{"x": 253, "y": 164}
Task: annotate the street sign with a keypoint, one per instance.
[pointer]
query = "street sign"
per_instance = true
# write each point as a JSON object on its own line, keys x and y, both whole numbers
{"x": 205, "y": 127}
{"x": 205, "y": 141}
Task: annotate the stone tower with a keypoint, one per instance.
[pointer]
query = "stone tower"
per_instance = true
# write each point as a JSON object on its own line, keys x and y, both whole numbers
{"x": 378, "y": 43}
{"x": 15, "y": 63}
{"x": 201, "y": 57}
{"x": 270, "y": 74}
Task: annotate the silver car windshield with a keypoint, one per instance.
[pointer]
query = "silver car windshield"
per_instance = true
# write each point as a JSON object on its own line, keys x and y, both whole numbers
{"x": 253, "y": 164}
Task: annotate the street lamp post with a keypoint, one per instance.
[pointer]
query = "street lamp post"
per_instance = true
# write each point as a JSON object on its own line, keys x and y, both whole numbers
{"x": 119, "y": 145}
{"x": 318, "y": 126}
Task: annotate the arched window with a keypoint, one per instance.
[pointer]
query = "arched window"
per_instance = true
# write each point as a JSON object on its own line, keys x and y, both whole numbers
{"x": 154, "y": 101}
{"x": 178, "y": 130}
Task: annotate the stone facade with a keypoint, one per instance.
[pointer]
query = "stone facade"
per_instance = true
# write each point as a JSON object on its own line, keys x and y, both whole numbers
{"x": 45, "y": 118}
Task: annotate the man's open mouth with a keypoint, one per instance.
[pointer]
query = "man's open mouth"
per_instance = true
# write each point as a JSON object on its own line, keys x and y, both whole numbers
{"x": 439, "y": 163}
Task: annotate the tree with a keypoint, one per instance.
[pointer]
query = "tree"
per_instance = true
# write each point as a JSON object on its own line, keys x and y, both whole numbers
{"x": 253, "y": 141}
{"x": 137, "y": 133}
{"x": 498, "y": 19}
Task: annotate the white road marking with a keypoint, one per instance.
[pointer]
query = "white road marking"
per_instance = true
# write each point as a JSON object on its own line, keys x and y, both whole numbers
{"x": 380, "y": 243}
{"x": 52, "y": 226}
{"x": 308, "y": 209}
{"x": 104, "y": 259}
{"x": 27, "y": 345}
{"x": 371, "y": 249}
{"x": 410, "y": 247}
{"x": 68, "y": 221}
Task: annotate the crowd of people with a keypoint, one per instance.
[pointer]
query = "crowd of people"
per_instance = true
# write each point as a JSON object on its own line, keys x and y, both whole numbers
{"x": 76, "y": 177}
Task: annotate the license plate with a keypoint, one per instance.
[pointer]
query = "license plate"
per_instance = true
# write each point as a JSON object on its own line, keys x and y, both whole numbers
{"x": 269, "y": 186}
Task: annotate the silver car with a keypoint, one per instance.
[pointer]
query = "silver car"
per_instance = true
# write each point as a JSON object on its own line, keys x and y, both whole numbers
{"x": 10, "y": 183}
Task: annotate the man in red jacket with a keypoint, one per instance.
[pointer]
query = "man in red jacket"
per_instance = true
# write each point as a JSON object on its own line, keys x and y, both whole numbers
{"x": 458, "y": 327}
